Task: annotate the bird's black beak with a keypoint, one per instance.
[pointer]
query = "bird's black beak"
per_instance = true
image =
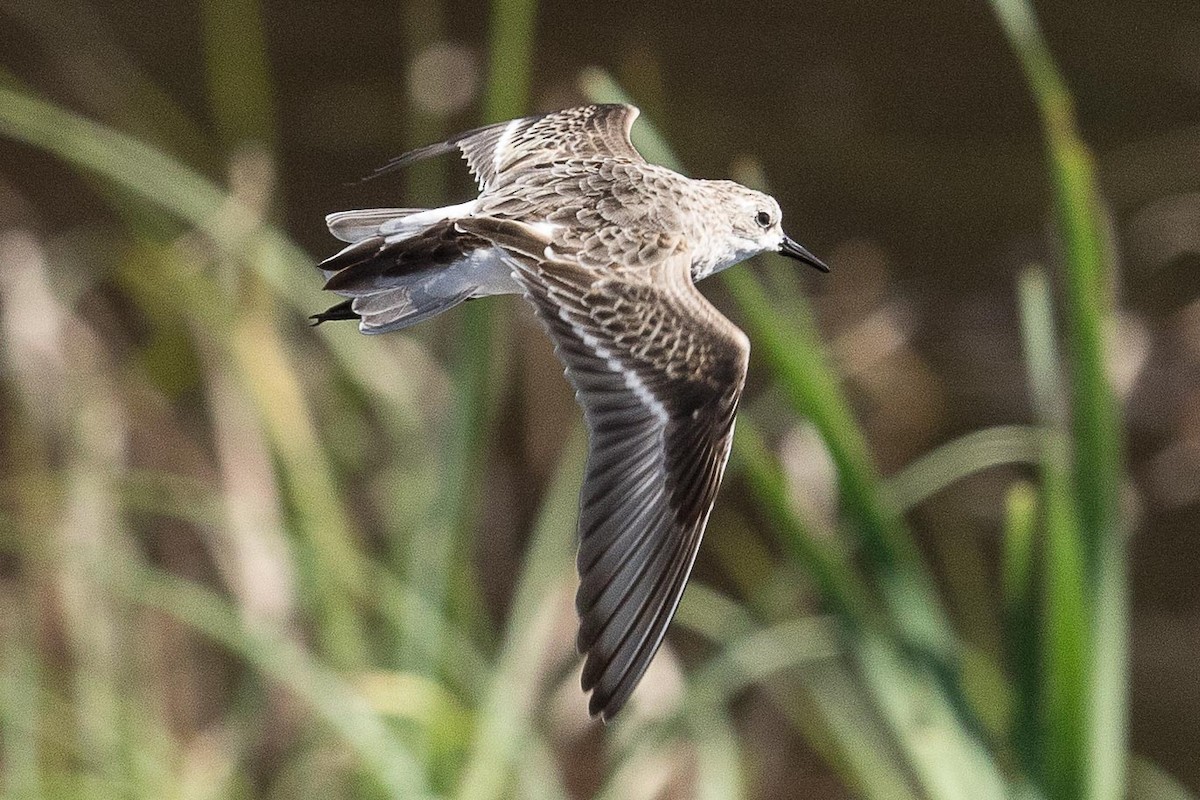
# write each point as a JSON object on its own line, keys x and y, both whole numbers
{"x": 792, "y": 249}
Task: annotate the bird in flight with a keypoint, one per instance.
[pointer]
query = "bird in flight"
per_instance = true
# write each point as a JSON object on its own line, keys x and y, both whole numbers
{"x": 607, "y": 248}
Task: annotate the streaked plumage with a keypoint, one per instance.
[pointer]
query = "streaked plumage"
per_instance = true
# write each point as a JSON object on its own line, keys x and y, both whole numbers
{"x": 607, "y": 248}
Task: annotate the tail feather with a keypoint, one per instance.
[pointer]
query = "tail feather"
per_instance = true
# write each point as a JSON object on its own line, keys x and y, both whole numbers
{"x": 402, "y": 266}
{"x": 354, "y": 226}
{"x": 338, "y": 312}
{"x": 399, "y": 308}
{"x": 357, "y": 225}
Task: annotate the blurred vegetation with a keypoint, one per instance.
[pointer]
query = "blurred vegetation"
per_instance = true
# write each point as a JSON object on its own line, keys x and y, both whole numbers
{"x": 237, "y": 553}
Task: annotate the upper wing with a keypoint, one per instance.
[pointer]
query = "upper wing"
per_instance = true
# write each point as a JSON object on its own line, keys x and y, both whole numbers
{"x": 658, "y": 372}
{"x": 504, "y": 147}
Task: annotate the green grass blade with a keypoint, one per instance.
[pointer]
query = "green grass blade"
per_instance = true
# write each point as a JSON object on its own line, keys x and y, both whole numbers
{"x": 440, "y": 546}
{"x": 832, "y": 711}
{"x": 1109, "y": 687}
{"x": 953, "y": 461}
{"x": 712, "y": 614}
{"x": 510, "y": 59}
{"x": 168, "y": 184}
{"x": 1019, "y": 585}
{"x": 864, "y": 749}
{"x": 761, "y": 654}
{"x": 112, "y": 155}
{"x": 719, "y": 773}
{"x": 784, "y": 329}
{"x": 1051, "y": 734}
{"x": 181, "y": 192}
{"x": 423, "y": 22}
{"x": 1042, "y": 368}
{"x": 949, "y": 761}
{"x": 114, "y": 86}
{"x": 1064, "y": 634}
{"x": 1088, "y": 275}
{"x": 838, "y": 583}
{"x": 1095, "y": 421}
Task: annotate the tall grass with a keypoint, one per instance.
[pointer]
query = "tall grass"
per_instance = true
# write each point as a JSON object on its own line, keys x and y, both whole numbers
{"x": 1087, "y": 608}
{"x": 331, "y": 482}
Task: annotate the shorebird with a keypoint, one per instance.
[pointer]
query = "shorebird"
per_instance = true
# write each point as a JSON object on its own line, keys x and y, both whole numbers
{"x": 607, "y": 247}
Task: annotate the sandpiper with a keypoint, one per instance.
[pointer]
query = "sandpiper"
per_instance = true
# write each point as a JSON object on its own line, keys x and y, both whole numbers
{"x": 607, "y": 248}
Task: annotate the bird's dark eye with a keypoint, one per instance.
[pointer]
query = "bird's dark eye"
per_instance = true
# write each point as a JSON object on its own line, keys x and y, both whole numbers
{"x": 763, "y": 218}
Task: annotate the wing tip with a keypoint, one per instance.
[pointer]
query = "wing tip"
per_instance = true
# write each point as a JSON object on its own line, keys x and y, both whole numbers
{"x": 608, "y": 691}
{"x": 604, "y": 705}
{"x": 601, "y": 711}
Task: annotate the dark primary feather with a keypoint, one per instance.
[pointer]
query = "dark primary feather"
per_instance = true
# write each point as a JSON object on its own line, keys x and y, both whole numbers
{"x": 658, "y": 372}
{"x": 596, "y": 130}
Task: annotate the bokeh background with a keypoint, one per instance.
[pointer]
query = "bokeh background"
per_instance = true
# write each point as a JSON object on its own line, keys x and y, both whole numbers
{"x": 242, "y": 557}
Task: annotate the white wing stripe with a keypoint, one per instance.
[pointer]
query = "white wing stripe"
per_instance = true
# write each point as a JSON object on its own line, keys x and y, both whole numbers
{"x": 632, "y": 381}
{"x": 502, "y": 144}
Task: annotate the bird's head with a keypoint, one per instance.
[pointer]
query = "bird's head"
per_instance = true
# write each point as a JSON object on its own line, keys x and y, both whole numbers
{"x": 755, "y": 226}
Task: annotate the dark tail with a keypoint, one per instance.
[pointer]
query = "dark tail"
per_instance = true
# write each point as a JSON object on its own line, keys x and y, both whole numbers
{"x": 393, "y": 283}
{"x": 334, "y": 313}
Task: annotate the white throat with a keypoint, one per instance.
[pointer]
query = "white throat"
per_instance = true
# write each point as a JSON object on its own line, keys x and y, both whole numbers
{"x": 721, "y": 253}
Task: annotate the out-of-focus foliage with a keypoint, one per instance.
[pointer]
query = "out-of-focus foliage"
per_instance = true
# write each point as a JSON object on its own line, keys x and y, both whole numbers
{"x": 246, "y": 558}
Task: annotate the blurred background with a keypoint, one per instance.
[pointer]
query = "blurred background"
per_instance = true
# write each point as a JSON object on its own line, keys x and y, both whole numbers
{"x": 241, "y": 557}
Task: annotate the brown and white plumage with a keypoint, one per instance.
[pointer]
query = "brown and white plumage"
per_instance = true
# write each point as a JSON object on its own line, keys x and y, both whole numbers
{"x": 503, "y": 151}
{"x": 606, "y": 247}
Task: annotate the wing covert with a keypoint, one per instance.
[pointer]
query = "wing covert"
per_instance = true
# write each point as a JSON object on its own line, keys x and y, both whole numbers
{"x": 495, "y": 151}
